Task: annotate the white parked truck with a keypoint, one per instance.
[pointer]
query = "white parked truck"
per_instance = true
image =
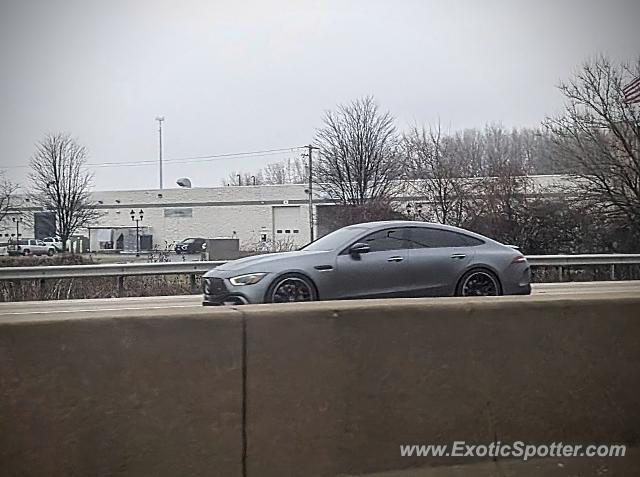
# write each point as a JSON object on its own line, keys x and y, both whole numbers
{"x": 31, "y": 247}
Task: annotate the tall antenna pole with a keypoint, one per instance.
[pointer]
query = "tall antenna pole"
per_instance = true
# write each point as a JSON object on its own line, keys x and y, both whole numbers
{"x": 160, "y": 119}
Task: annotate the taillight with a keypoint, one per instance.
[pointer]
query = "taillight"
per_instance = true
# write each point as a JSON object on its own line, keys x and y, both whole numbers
{"x": 519, "y": 259}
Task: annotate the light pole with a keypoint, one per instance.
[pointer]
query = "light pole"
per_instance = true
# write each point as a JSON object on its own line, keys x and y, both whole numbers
{"x": 160, "y": 119}
{"x": 137, "y": 220}
{"x": 17, "y": 221}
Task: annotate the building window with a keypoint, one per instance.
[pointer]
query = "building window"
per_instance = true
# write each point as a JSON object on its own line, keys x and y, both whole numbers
{"x": 295, "y": 231}
{"x": 185, "y": 212}
{"x": 279, "y": 231}
{"x": 288, "y": 231}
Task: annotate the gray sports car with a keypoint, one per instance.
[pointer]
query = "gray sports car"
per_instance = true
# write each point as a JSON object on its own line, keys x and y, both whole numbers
{"x": 374, "y": 260}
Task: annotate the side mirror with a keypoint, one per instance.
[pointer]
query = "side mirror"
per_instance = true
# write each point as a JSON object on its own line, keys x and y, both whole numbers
{"x": 358, "y": 248}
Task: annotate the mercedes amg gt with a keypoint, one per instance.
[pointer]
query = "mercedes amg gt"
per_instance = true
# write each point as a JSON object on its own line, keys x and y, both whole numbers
{"x": 375, "y": 260}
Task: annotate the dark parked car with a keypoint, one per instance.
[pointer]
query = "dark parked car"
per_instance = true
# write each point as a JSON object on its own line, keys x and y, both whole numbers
{"x": 191, "y": 245}
{"x": 373, "y": 260}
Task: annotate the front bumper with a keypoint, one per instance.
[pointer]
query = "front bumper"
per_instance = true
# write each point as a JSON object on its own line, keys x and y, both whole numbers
{"x": 219, "y": 291}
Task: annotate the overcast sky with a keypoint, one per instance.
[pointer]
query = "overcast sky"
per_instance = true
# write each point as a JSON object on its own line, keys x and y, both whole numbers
{"x": 234, "y": 76}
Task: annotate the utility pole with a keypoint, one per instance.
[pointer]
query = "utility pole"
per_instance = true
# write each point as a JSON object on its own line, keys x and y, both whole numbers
{"x": 160, "y": 119}
{"x": 311, "y": 233}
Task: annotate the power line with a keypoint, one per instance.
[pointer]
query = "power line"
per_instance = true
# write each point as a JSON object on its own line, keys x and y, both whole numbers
{"x": 185, "y": 160}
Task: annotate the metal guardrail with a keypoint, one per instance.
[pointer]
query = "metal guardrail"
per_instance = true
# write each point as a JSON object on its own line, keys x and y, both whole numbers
{"x": 198, "y": 268}
{"x": 106, "y": 270}
{"x": 587, "y": 259}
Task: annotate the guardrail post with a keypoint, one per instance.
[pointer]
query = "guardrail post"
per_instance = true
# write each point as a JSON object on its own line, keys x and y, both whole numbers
{"x": 42, "y": 289}
{"x": 121, "y": 285}
{"x": 613, "y": 271}
{"x": 560, "y": 273}
{"x": 192, "y": 282}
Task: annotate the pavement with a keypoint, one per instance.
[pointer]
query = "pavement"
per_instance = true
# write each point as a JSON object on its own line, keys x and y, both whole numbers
{"x": 194, "y": 302}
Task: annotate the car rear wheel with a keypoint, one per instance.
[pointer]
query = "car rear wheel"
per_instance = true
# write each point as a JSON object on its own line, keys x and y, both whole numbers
{"x": 291, "y": 287}
{"x": 50, "y": 252}
{"x": 26, "y": 252}
{"x": 479, "y": 282}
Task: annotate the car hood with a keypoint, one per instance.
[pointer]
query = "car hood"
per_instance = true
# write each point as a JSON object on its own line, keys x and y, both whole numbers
{"x": 271, "y": 261}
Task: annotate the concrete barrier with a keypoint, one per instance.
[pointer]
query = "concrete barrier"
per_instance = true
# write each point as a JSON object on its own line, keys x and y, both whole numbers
{"x": 336, "y": 389}
{"x": 316, "y": 389}
{"x": 134, "y": 396}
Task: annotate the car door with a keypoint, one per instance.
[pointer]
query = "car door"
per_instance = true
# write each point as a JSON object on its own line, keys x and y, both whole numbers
{"x": 437, "y": 259}
{"x": 382, "y": 272}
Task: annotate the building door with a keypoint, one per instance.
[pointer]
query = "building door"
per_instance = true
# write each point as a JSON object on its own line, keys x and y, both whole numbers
{"x": 286, "y": 227}
{"x": 146, "y": 242}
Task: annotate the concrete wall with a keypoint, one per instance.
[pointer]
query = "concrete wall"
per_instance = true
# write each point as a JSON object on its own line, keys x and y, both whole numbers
{"x": 339, "y": 389}
{"x": 121, "y": 396}
{"x": 329, "y": 388}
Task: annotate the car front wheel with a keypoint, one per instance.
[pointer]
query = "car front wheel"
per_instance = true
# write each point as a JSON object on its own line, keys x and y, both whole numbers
{"x": 291, "y": 287}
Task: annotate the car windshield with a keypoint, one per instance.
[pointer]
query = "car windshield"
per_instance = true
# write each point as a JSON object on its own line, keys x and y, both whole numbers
{"x": 334, "y": 240}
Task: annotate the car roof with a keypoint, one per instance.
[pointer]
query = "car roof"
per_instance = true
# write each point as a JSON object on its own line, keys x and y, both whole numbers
{"x": 416, "y": 223}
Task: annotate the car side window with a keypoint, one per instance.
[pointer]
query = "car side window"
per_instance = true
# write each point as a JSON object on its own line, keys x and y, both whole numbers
{"x": 424, "y": 237}
{"x": 389, "y": 239}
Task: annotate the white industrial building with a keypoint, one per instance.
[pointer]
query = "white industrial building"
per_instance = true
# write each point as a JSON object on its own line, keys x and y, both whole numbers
{"x": 254, "y": 214}
{"x": 259, "y": 216}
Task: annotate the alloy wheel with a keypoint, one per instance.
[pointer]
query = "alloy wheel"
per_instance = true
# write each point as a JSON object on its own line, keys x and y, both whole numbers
{"x": 480, "y": 284}
{"x": 292, "y": 289}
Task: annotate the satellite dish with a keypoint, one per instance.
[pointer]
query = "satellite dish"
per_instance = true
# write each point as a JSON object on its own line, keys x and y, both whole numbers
{"x": 184, "y": 182}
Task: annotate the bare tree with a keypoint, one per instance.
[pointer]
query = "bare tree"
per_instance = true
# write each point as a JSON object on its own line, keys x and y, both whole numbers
{"x": 599, "y": 136}
{"x": 359, "y": 156}
{"x": 288, "y": 171}
{"x": 501, "y": 190}
{"x": 285, "y": 172}
{"x": 7, "y": 195}
{"x": 437, "y": 173}
{"x": 60, "y": 183}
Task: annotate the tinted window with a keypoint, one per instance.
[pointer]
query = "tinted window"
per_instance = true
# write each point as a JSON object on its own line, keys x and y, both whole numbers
{"x": 389, "y": 239}
{"x": 334, "y": 240}
{"x": 434, "y": 238}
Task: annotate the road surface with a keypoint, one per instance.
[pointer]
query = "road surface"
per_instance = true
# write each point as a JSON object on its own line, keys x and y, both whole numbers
{"x": 186, "y": 302}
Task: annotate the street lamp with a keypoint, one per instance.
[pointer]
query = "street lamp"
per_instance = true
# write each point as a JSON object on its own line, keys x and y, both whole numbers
{"x": 137, "y": 220}
{"x": 17, "y": 221}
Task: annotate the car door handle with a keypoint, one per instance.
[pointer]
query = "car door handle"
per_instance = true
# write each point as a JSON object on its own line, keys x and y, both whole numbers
{"x": 395, "y": 259}
{"x": 459, "y": 256}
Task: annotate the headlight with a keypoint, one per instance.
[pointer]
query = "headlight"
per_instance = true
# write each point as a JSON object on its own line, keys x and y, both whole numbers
{"x": 248, "y": 279}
